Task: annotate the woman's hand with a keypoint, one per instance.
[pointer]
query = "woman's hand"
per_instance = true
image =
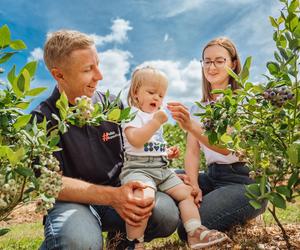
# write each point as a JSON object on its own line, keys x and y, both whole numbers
{"x": 196, "y": 192}
{"x": 180, "y": 113}
{"x": 173, "y": 152}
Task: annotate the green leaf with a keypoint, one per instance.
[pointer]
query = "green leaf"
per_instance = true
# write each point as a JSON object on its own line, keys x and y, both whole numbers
{"x": 114, "y": 115}
{"x": 26, "y": 172}
{"x": 26, "y": 84}
{"x": 22, "y": 121}
{"x": 4, "y": 36}
{"x": 217, "y": 91}
{"x": 281, "y": 41}
{"x": 213, "y": 137}
{"x": 226, "y": 138}
{"x": 3, "y": 150}
{"x": 277, "y": 200}
{"x": 54, "y": 141}
{"x": 31, "y": 67}
{"x": 255, "y": 204}
{"x": 63, "y": 105}
{"x": 35, "y": 91}
{"x": 273, "y": 22}
{"x": 294, "y": 178}
{"x": 6, "y": 57}
{"x": 293, "y": 6}
{"x": 125, "y": 113}
{"x": 253, "y": 189}
{"x": 245, "y": 71}
{"x": 293, "y": 152}
{"x": 294, "y": 23}
{"x": 284, "y": 190}
{"x": 4, "y": 231}
{"x": 262, "y": 185}
{"x": 11, "y": 75}
{"x": 17, "y": 45}
{"x": 233, "y": 75}
{"x": 23, "y": 105}
{"x": 15, "y": 157}
{"x": 273, "y": 68}
{"x": 297, "y": 31}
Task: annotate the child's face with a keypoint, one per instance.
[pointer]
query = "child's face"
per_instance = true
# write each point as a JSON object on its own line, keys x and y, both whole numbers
{"x": 150, "y": 96}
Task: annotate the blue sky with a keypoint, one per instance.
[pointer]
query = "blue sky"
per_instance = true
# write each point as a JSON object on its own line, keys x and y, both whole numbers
{"x": 167, "y": 34}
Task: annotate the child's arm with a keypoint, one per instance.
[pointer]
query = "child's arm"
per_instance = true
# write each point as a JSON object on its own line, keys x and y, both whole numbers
{"x": 137, "y": 137}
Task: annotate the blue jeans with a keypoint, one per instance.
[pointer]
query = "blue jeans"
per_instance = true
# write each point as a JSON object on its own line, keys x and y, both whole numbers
{"x": 224, "y": 203}
{"x": 77, "y": 226}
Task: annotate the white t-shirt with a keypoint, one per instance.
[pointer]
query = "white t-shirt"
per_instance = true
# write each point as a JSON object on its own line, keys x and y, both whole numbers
{"x": 156, "y": 146}
{"x": 210, "y": 155}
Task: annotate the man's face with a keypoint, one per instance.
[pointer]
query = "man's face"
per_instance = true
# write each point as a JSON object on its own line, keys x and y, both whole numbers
{"x": 80, "y": 73}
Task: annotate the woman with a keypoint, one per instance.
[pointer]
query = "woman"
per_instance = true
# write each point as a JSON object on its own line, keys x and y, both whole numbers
{"x": 224, "y": 203}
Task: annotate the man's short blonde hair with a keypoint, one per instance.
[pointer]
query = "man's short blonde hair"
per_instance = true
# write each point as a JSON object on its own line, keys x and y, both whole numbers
{"x": 60, "y": 44}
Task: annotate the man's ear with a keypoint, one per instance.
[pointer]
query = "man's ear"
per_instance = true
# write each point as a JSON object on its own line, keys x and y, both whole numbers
{"x": 57, "y": 74}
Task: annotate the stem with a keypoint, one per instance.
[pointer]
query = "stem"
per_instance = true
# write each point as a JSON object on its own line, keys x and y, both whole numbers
{"x": 296, "y": 102}
{"x": 284, "y": 234}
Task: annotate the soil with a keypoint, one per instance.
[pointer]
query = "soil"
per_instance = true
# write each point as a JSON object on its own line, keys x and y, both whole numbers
{"x": 254, "y": 235}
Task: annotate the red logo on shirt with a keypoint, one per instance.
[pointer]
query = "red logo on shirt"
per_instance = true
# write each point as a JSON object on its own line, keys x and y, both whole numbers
{"x": 109, "y": 135}
{"x": 105, "y": 136}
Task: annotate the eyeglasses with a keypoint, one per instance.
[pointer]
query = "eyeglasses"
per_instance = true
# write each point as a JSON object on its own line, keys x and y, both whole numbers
{"x": 218, "y": 63}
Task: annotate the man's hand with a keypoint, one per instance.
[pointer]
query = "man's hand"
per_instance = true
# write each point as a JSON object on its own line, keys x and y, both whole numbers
{"x": 132, "y": 209}
{"x": 160, "y": 116}
{"x": 173, "y": 152}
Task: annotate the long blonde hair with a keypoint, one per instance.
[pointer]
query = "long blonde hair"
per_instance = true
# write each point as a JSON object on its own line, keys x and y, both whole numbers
{"x": 227, "y": 44}
{"x": 141, "y": 76}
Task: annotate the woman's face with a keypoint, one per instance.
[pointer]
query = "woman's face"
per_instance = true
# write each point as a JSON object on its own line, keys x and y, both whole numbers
{"x": 215, "y": 58}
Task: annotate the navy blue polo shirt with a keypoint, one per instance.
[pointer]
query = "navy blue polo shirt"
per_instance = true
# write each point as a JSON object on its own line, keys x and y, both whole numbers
{"x": 90, "y": 153}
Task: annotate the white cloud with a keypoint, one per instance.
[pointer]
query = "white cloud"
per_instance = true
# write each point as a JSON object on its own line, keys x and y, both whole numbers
{"x": 114, "y": 65}
{"x": 36, "y": 55}
{"x": 119, "y": 29}
{"x": 182, "y": 6}
{"x": 184, "y": 81}
{"x": 167, "y": 38}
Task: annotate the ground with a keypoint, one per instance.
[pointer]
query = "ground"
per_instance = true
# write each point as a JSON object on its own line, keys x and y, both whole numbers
{"x": 254, "y": 235}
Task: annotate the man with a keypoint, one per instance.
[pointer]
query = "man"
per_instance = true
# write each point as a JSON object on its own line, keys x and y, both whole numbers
{"x": 91, "y": 199}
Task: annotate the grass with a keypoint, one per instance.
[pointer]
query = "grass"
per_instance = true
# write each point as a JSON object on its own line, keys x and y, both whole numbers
{"x": 28, "y": 236}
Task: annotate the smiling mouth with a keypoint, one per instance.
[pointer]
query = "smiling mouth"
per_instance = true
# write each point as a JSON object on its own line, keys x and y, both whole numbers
{"x": 153, "y": 105}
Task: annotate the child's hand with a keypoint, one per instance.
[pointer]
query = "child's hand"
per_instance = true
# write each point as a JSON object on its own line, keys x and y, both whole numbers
{"x": 173, "y": 152}
{"x": 160, "y": 116}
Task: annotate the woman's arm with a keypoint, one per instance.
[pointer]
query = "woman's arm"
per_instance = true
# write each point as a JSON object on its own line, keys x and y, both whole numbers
{"x": 191, "y": 159}
{"x": 191, "y": 165}
{"x": 181, "y": 114}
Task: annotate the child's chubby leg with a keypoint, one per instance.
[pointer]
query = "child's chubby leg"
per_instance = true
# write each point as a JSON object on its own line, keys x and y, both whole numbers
{"x": 198, "y": 235}
{"x": 137, "y": 233}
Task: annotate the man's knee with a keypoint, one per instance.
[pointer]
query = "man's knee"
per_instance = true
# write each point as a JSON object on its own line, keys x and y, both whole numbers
{"x": 72, "y": 226}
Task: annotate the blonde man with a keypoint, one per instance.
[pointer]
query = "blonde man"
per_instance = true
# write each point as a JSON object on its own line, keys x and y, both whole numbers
{"x": 91, "y": 200}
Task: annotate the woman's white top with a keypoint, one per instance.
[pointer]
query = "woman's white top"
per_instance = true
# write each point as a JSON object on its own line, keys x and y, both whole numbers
{"x": 210, "y": 155}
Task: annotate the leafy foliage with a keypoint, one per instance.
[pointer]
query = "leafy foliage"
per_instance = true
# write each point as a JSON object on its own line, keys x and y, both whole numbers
{"x": 28, "y": 170}
{"x": 264, "y": 118}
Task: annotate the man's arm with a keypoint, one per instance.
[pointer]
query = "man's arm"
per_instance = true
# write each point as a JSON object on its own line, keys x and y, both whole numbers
{"x": 130, "y": 208}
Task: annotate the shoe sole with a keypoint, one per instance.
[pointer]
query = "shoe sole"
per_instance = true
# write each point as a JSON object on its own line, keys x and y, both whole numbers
{"x": 203, "y": 245}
